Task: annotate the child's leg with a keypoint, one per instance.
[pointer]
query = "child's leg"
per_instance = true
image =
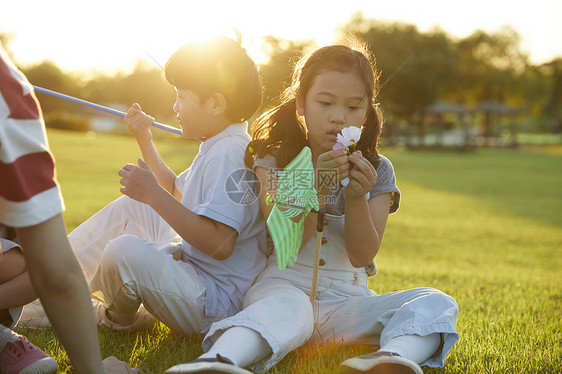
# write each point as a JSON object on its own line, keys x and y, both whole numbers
{"x": 122, "y": 216}
{"x": 280, "y": 319}
{"x": 413, "y": 347}
{"x": 59, "y": 282}
{"x": 15, "y": 285}
{"x": 277, "y": 318}
{"x": 132, "y": 271}
{"x": 12, "y": 264}
{"x": 399, "y": 321}
{"x": 254, "y": 349}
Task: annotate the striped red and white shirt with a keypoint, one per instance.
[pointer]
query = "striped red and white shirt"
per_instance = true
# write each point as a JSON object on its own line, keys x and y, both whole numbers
{"x": 29, "y": 192}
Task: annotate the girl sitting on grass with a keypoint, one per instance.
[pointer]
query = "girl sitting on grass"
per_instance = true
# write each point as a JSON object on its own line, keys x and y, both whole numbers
{"x": 333, "y": 88}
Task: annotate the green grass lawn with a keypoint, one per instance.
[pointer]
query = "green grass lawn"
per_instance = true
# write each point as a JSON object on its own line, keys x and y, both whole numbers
{"x": 484, "y": 227}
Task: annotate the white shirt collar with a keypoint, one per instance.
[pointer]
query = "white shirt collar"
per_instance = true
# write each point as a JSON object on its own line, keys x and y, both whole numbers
{"x": 232, "y": 130}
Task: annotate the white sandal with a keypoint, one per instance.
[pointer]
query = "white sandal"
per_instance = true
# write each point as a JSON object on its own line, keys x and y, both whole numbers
{"x": 380, "y": 363}
{"x": 208, "y": 365}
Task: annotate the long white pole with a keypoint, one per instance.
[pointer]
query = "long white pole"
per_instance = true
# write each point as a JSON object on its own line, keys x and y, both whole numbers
{"x": 102, "y": 108}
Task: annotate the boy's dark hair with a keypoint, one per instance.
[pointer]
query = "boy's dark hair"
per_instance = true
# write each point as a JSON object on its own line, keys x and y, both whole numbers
{"x": 218, "y": 65}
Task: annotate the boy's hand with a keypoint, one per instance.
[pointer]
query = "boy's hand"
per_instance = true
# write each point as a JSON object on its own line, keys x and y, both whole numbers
{"x": 331, "y": 168}
{"x": 139, "y": 183}
{"x": 139, "y": 123}
{"x": 362, "y": 176}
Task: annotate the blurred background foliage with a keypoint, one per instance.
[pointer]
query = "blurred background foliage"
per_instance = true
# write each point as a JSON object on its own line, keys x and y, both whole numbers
{"x": 485, "y": 79}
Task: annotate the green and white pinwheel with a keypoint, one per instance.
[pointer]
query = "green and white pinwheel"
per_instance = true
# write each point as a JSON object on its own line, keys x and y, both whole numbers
{"x": 295, "y": 198}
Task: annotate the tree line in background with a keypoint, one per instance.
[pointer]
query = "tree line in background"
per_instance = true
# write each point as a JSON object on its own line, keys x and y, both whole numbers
{"x": 416, "y": 69}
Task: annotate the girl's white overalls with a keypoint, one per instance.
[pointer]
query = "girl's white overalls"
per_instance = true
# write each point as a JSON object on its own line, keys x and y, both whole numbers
{"x": 278, "y": 305}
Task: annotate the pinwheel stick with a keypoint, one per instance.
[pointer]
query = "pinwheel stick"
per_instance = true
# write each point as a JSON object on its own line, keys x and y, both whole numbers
{"x": 319, "y": 230}
{"x": 102, "y": 108}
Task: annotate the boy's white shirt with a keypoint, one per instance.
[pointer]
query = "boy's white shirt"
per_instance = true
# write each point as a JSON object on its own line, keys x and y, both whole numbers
{"x": 204, "y": 190}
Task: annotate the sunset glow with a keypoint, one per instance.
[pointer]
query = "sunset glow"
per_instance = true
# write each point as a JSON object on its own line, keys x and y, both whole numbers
{"x": 108, "y": 35}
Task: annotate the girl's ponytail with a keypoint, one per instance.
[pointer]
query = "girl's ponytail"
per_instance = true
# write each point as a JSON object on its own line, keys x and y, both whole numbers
{"x": 278, "y": 126}
{"x": 368, "y": 144}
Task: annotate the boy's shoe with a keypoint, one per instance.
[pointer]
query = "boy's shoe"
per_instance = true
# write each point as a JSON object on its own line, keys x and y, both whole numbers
{"x": 143, "y": 320}
{"x": 34, "y": 316}
{"x": 22, "y": 357}
{"x": 112, "y": 365}
{"x": 208, "y": 366}
{"x": 380, "y": 363}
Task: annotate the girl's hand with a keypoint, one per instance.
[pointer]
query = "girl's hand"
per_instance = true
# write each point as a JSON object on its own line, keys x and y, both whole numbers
{"x": 331, "y": 168}
{"x": 362, "y": 176}
{"x": 139, "y": 183}
{"x": 139, "y": 123}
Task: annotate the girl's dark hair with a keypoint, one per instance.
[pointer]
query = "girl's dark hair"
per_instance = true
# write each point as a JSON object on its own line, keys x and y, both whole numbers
{"x": 218, "y": 65}
{"x": 281, "y": 125}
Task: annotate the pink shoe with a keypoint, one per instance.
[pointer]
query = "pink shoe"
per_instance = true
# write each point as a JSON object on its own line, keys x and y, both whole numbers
{"x": 22, "y": 357}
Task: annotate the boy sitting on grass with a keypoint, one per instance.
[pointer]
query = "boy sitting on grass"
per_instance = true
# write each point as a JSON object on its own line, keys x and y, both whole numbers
{"x": 198, "y": 216}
